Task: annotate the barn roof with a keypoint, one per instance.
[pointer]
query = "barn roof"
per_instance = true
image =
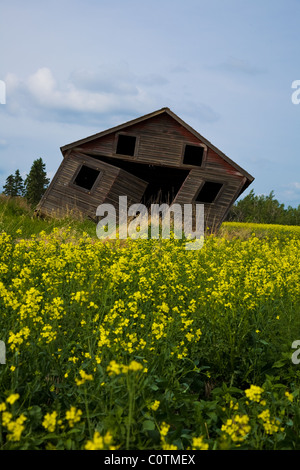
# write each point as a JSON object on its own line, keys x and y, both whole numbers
{"x": 168, "y": 111}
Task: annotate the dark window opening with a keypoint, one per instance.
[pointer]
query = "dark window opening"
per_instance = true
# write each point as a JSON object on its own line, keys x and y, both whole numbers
{"x": 86, "y": 177}
{"x": 126, "y": 144}
{"x": 163, "y": 182}
{"x": 209, "y": 192}
{"x": 193, "y": 155}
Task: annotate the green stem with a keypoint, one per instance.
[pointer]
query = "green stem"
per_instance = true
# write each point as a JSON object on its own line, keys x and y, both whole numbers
{"x": 87, "y": 413}
{"x": 130, "y": 411}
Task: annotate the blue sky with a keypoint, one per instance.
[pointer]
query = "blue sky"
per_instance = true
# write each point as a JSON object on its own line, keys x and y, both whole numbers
{"x": 226, "y": 67}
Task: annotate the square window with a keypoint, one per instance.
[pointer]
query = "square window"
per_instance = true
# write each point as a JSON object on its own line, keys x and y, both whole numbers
{"x": 126, "y": 144}
{"x": 86, "y": 177}
{"x": 193, "y": 155}
{"x": 208, "y": 192}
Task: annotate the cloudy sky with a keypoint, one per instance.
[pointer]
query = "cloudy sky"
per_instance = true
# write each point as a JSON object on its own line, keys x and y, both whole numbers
{"x": 72, "y": 68}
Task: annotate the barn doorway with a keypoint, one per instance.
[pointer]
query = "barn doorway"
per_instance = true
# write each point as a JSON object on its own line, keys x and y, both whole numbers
{"x": 163, "y": 182}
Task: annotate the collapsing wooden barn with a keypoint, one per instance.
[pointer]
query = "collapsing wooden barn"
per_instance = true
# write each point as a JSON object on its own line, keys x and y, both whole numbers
{"x": 155, "y": 158}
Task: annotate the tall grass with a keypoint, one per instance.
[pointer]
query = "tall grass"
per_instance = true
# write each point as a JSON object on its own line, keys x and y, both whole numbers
{"x": 16, "y": 214}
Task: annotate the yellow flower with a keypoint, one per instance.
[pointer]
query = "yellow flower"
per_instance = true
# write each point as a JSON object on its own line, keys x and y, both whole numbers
{"x": 6, "y": 418}
{"x": 135, "y": 366}
{"x": 49, "y": 422}
{"x": 198, "y": 333}
{"x": 99, "y": 443}
{"x": 166, "y": 446}
{"x": 2, "y": 406}
{"x": 155, "y": 405}
{"x": 199, "y": 444}
{"x": 289, "y": 396}
{"x": 73, "y": 416}
{"x": 164, "y": 429}
{"x": 48, "y": 334}
{"x": 189, "y": 336}
{"x": 237, "y": 427}
{"x": 107, "y": 438}
{"x": 114, "y": 368}
{"x": 96, "y": 444}
{"x": 254, "y": 393}
{"x": 12, "y": 398}
{"x": 84, "y": 377}
{"x": 18, "y": 338}
{"x": 271, "y": 425}
{"x": 233, "y": 405}
{"x": 16, "y": 428}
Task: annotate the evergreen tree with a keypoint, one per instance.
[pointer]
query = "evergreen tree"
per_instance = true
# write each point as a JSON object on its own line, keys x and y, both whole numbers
{"x": 36, "y": 182}
{"x": 19, "y": 184}
{"x": 9, "y": 187}
{"x": 14, "y": 185}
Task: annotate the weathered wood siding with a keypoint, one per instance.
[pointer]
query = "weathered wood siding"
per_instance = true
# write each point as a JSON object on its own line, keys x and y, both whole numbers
{"x": 215, "y": 211}
{"x": 63, "y": 196}
{"x": 126, "y": 185}
{"x": 160, "y": 141}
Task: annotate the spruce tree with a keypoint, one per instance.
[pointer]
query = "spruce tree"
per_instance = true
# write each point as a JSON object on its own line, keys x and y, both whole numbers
{"x": 9, "y": 187}
{"x": 36, "y": 182}
{"x": 14, "y": 185}
{"x": 19, "y": 184}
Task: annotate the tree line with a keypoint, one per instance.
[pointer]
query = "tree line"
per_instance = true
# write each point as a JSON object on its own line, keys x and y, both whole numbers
{"x": 34, "y": 185}
{"x": 263, "y": 209}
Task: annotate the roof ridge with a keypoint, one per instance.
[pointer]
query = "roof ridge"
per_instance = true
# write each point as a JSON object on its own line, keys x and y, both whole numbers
{"x": 149, "y": 116}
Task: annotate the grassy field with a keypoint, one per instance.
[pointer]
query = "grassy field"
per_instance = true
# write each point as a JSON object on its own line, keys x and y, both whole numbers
{"x": 145, "y": 345}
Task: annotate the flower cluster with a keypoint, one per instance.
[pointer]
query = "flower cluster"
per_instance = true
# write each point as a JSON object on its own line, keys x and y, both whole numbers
{"x": 100, "y": 442}
{"x": 237, "y": 427}
{"x": 270, "y": 425}
{"x": 254, "y": 393}
{"x": 83, "y": 377}
{"x": 15, "y": 427}
{"x": 49, "y": 421}
{"x": 115, "y": 368}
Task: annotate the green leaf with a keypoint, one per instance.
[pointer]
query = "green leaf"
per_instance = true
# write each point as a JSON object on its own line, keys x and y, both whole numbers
{"x": 148, "y": 425}
{"x": 279, "y": 364}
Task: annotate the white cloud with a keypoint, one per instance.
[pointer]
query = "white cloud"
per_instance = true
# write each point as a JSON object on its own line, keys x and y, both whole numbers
{"x": 44, "y": 89}
{"x": 113, "y": 92}
{"x": 12, "y": 82}
{"x": 42, "y": 86}
{"x": 41, "y": 95}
